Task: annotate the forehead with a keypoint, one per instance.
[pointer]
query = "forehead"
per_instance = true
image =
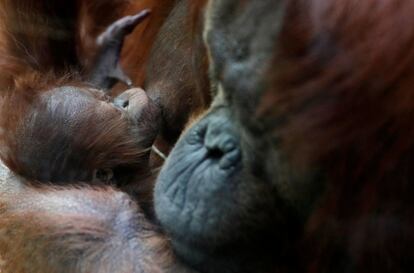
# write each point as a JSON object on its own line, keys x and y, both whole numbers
{"x": 72, "y": 100}
{"x": 241, "y": 38}
{"x": 73, "y": 96}
{"x": 71, "y": 107}
{"x": 75, "y": 93}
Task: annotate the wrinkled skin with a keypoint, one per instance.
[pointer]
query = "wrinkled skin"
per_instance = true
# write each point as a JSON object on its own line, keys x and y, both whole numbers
{"x": 226, "y": 196}
{"x": 303, "y": 162}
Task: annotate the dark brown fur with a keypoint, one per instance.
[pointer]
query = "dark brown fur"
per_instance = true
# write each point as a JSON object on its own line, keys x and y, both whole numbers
{"x": 177, "y": 71}
{"x": 347, "y": 86}
{"x": 334, "y": 99}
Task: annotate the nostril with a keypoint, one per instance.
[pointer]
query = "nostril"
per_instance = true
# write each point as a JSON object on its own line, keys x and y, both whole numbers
{"x": 125, "y": 104}
{"x": 121, "y": 102}
{"x": 215, "y": 153}
{"x": 224, "y": 151}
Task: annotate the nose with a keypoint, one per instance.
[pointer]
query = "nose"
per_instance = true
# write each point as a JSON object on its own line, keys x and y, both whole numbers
{"x": 142, "y": 112}
{"x": 137, "y": 104}
{"x": 132, "y": 99}
{"x": 222, "y": 142}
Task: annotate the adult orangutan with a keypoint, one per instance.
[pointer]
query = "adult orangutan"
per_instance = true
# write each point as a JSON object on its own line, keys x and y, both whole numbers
{"x": 303, "y": 163}
{"x": 176, "y": 78}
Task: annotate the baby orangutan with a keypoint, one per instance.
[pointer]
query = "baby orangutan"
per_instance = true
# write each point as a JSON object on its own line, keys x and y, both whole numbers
{"x": 66, "y": 148}
{"x": 61, "y": 129}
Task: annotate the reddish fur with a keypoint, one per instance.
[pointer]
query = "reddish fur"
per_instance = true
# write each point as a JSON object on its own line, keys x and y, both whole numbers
{"x": 46, "y": 229}
{"x": 40, "y": 32}
{"x": 33, "y": 62}
{"x": 29, "y": 31}
{"x": 85, "y": 229}
{"x": 136, "y": 50}
{"x": 343, "y": 77}
{"x": 104, "y": 143}
{"x": 96, "y": 15}
{"x": 179, "y": 81}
